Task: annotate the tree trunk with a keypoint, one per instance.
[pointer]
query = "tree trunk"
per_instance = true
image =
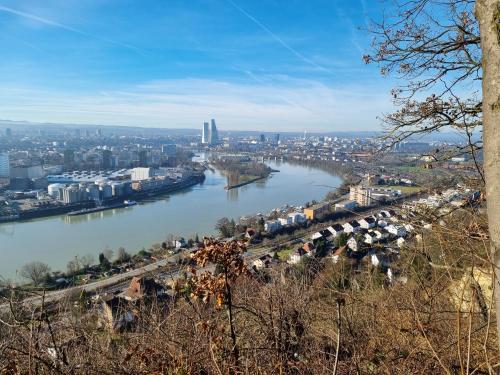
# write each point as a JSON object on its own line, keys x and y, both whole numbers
{"x": 488, "y": 15}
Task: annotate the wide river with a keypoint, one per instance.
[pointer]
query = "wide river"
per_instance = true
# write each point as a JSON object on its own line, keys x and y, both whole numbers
{"x": 56, "y": 240}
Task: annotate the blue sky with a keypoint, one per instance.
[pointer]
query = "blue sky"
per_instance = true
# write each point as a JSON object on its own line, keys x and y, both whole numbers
{"x": 253, "y": 65}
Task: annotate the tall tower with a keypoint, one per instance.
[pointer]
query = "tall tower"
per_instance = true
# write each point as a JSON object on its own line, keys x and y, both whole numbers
{"x": 4, "y": 165}
{"x": 69, "y": 159}
{"x": 205, "y": 133}
{"x": 214, "y": 135}
{"x": 106, "y": 159}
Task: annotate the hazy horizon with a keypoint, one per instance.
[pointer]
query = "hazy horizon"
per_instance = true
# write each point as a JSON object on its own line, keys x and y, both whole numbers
{"x": 291, "y": 65}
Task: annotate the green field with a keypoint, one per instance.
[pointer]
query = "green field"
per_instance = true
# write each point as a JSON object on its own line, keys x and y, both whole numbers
{"x": 404, "y": 189}
{"x": 285, "y": 254}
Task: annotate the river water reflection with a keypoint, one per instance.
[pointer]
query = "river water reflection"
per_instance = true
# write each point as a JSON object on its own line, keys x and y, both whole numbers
{"x": 58, "y": 239}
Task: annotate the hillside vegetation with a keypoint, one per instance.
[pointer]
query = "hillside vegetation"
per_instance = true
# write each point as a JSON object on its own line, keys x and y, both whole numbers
{"x": 433, "y": 317}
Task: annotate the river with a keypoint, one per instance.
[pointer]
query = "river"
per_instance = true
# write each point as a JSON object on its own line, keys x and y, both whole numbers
{"x": 58, "y": 239}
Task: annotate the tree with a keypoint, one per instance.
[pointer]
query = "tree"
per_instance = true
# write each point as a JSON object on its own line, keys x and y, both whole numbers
{"x": 108, "y": 253}
{"x": 227, "y": 256}
{"x": 104, "y": 262}
{"x": 488, "y": 14}
{"x": 261, "y": 224}
{"x": 36, "y": 272}
{"x": 436, "y": 58}
{"x": 87, "y": 260}
{"x": 73, "y": 266}
{"x": 224, "y": 227}
{"x": 122, "y": 256}
{"x": 341, "y": 240}
{"x": 440, "y": 58}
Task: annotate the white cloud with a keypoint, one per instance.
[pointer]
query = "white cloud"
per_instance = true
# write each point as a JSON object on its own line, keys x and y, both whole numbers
{"x": 273, "y": 103}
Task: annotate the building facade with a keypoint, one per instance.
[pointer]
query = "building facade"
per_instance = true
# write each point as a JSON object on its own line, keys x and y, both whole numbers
{"x": 205, "y": 133}
{"x": 4, "y": 165}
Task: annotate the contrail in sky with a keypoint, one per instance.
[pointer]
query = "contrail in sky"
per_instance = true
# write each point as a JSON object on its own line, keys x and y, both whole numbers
{"x": 278, "y": 39}
{"x": 46, "y": 21}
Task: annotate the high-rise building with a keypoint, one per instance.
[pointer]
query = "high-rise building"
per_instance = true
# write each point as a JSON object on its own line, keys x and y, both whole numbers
{"x": 69, "y": 159}
{"x": 169, "y": 149}
{"x": 4, "y": 165}
{"x": 361, "y": 195}
{"x": 262, "y": 138}
{"x": 205, "y": 133}
{"x": 8, "y": 132}
{"x": 107, "y": 159}
{"x": 214, "y": 134}
{"x": 143, "y": 158}
{"x": 277, "y": 138}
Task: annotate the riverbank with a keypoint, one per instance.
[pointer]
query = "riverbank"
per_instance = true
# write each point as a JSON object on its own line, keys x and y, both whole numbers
{"x": 108, "y": 204}
{"x": 250, "y": 181}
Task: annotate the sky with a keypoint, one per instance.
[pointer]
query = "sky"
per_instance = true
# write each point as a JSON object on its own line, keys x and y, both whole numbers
{"x": 273, "y": 65}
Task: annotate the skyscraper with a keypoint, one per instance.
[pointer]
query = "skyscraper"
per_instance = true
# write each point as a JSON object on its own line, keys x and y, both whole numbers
{"x": 4, "y": 165}
{"x": 8, "y": 132}
{"x": 107, "y": 159}
{"x": 205, "y": 134}
{"x": 143, "y": 158}
{"x": 214, "y": 135}
{"x": 69, "y": 159}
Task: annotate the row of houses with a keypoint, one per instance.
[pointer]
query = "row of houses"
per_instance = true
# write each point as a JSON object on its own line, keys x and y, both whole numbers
{"x": 294, "y": 218}
{"x": 361, "y": 234}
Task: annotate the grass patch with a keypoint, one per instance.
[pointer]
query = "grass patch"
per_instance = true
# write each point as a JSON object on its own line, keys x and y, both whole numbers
{"x": 284, "y": 254}
{"x": 404, "y": 189}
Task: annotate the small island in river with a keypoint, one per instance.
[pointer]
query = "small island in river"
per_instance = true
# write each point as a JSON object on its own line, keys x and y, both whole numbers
{"x": 240, "y": 170}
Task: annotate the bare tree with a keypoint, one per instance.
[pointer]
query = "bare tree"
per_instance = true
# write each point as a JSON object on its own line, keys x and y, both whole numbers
{"x": 488, "y": 14}
{"x": 433, "y": 47}
{"x": 122, "y": 255}
{"x": 73, "y": 266}
{"x": 108, "y": 253}
{"x": 36, "y": 272}
{"x": 442, "y": 49}
{"x": 87, "y": 260}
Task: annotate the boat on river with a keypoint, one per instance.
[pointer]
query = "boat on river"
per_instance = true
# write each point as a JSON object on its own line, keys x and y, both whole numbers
{"x": 126, "y": 203}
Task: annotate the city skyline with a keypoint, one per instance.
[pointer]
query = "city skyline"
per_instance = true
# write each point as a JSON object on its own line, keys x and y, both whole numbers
{"x": 288, "y": 65}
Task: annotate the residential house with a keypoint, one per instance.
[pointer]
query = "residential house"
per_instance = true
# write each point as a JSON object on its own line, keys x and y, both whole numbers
{"x": 346, "y": 206}
{"x": 250, "y": 234}
{"x": 115, "y": 314}
{"x": 380, "y": 235}
{"x": 285, "y": 221}
{"x": 352, "y": 243}
{"x": 335, "y": 255}
{"x": 309, "y": 248}
{"x": 296, "y": 256}
{"x": 397, "y": 230}
{"x": 370, "y": 238}
{"x": 317, "y": 210}
{"x": 263, "y": 262}
{"x": 316, "y": 236}
{"x": 272, "y": 226}
{"x": 336, "y": 229}
{"x": 142, "y": 287}
{"x": 352, "y": 227}
{"x": 368, "y": 222}
{"x": 181, "y": 242}
{"x": 382, "y": 223}
{"x": 297, "y": 217}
